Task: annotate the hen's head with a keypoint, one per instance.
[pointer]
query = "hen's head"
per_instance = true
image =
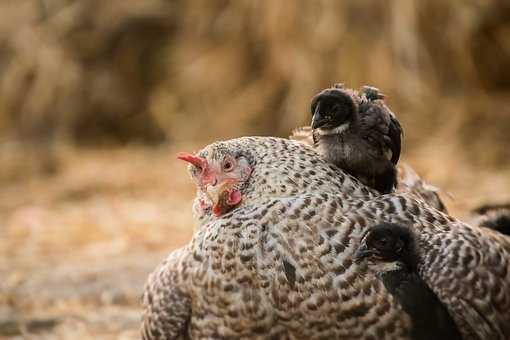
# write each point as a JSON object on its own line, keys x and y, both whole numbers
{"x": 220, "y": 175}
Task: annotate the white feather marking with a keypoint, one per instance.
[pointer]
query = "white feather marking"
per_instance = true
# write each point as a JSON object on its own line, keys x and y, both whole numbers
{"x": 386, "y": 266}
{"x": 388, "y": 154}
{"x": 336, "y": 131}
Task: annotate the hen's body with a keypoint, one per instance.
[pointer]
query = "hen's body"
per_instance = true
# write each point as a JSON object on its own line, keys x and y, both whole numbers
{"x": 408, "y": 180}
{"x": 280, "y": 265}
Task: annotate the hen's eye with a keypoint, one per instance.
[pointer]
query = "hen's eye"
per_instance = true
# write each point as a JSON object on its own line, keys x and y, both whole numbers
{"x": 228, "y": 166}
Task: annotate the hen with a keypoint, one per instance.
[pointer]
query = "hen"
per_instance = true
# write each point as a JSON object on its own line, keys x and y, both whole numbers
{"x": 279, "y": 264}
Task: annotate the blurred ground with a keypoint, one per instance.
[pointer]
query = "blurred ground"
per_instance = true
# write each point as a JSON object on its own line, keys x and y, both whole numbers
{"x": 97, "y": 96}
{"x": 77, "y": 247}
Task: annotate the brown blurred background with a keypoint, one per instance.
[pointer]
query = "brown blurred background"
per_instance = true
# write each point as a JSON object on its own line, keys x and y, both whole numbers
{"x": 97, "y": 96}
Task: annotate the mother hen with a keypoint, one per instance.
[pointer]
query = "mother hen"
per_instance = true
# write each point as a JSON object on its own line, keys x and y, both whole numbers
{"x": 276, "y": 262}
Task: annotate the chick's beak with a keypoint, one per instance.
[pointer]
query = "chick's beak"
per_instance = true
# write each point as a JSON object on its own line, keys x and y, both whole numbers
{"x": 317, "y": 120}
{"x": 362, "y": 252}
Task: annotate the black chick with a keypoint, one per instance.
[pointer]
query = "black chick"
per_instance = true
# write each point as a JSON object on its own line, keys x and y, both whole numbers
{"x": 357, "y": 132}
{"x": 390, "y": 250}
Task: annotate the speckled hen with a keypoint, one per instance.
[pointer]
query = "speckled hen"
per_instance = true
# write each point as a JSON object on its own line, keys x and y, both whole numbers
{"x": 279, "y": 264}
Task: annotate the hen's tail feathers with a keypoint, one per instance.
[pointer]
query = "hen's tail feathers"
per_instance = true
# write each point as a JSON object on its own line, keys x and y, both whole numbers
{"x": 410, "y": 181}
{"x": 494, "y": 216}
{"x": 303, "y": 134}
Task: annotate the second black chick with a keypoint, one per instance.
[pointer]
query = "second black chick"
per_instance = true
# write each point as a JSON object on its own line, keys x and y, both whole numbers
{"x": 391, "y": 252}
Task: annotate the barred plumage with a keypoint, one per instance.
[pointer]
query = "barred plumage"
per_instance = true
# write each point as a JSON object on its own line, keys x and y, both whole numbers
{"x": 408, "y": 180}
{"x": 280, "y": 265}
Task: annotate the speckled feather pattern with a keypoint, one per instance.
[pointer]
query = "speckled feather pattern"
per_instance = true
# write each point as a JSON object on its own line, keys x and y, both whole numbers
{"x": 280, "y": 265}
{"x": 408, "y": 180}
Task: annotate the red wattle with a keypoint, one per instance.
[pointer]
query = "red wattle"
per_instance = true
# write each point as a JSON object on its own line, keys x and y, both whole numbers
{"x": 216, "y": 210}
{"x": 234, "y": 197}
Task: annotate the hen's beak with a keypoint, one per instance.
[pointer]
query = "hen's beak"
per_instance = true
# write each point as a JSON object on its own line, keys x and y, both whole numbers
{"x": 223, "y": 196}
{"x": 214, "y": 192}
{"x": 219, "y": 190}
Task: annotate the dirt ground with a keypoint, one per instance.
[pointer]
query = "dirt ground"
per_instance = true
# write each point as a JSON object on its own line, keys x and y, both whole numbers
{"x": 77, "y": 246}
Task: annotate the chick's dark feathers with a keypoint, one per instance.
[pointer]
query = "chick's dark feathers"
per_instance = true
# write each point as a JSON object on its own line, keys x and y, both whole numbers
{"x": 394, "y": 243}
{"x": 357, "y": 132}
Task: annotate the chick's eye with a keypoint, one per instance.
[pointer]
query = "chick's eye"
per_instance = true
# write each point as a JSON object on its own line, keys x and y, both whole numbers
{"x": 382, "y": 243}
{"x": 399, "y": 246}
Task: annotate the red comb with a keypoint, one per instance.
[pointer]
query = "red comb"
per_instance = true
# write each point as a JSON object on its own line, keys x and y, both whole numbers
{"x": 197, "y": 161}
